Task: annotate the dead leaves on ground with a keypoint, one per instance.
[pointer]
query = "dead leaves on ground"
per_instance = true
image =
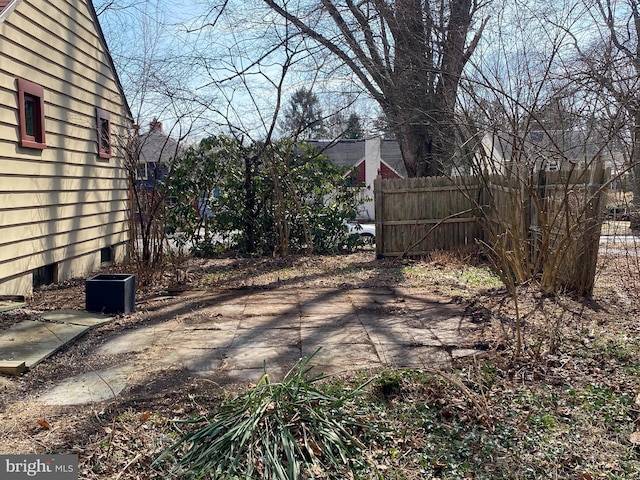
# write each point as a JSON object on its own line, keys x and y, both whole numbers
{"x": 44, "y": 424}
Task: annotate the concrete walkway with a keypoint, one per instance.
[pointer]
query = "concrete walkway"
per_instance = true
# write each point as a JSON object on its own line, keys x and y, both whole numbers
{"x": 234, "y": 335}
{"x": 29, "y": 342}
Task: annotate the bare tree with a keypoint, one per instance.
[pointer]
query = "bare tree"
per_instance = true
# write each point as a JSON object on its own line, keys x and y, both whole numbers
{"x": 609, "y": 66}
{"x": 409, "y": 55}
{"x": 156, "y": 81}
{"x": 538, "y": 147}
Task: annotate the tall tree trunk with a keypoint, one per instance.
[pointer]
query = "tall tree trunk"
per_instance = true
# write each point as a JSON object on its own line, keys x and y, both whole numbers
{"x": 249, "y": 204}
{"x": 416, "y": 143}
{"x": 409, "y": 55}
{"x": 635, "y": 158}
{"x": 426, "y": 137}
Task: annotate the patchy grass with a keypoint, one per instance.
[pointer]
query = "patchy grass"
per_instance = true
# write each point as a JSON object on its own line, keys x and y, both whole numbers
{"x": 566, "y": 409}
{"x": 476, "y": 422}
{"x": 451, "y": 279}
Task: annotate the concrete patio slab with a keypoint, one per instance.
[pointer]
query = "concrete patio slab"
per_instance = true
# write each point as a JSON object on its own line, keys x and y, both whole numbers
{"x": 198, "y": 339}
{"x": 342, "y": 357}
{"x": 228, "y": 336}
{"x": 89, "y": 387}
{"x": 199, "y": 360}
{"x": 465, "y": 352}
{"x": 224, "y": 309}
{"x": 343, "y": 334}
{"x": 198, "y": 320}
{"x": 372, "y": 293}
{"x": 376, "y": 320}
{"x": 278, "y": 297}
{"x": 331, "y": 320}
{"x": 406, "y": 336}
{"x": 32, "y": 341}
{"x": 12, "y": 367}
{"x": 454, "y": 323}
{"x": 225, "y": 297}
{"x": 251, "y": 376}
{"x": 77, "y": 317}
{"x": 265, "y": 337}
{"x": 255, "y": 357}
{"x": 284, "y": 309}
{"x": 450, "y": 338}
{"x": 326, "y": 308}
{"x": 133, "y": 341}
{"x": 7, "y": 304}
{"x": 310, "y": 294}
{"x": 277, "y": 322}
{"x": 372, "y": 299}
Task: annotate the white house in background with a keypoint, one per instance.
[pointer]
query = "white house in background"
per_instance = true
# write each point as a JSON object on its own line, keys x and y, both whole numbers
{"x": 154, "y": 151}
{"x": 64, "y": 189}
{"x": 371, "y": 158}
{"x": 549, "y": 150}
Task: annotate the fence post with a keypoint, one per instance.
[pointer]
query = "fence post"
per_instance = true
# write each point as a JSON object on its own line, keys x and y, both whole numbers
{"x": 592, "y": 228}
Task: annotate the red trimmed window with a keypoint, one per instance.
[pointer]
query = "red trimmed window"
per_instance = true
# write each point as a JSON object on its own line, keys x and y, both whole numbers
{"x": 31, "y": 114}
{"x": 103, "y": 125}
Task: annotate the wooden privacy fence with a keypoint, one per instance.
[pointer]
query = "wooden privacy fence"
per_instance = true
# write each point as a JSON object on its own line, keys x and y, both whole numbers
{"x": 547, "y": 224}
{"x": 415, "y": 216}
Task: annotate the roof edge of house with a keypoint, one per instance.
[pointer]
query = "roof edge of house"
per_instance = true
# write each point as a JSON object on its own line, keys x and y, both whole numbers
{"x": 5, "y": 10}
{"x": 107, "y": 52}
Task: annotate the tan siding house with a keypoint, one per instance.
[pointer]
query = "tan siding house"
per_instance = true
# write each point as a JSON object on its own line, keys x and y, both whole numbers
{"x": 63, "y": 117}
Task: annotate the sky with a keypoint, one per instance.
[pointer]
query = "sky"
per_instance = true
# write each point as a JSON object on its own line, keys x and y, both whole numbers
{"x": 171, "y": 62}
{"x": 160, "y": 40}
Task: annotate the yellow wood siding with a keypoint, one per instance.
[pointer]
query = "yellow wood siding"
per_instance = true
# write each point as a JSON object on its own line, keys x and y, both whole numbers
{"x": 72, "y": 232}
{"x": 62, "y": 202}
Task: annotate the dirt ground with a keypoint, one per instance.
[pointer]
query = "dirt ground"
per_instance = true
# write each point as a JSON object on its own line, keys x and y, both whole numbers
{"x": 27, "y": 427}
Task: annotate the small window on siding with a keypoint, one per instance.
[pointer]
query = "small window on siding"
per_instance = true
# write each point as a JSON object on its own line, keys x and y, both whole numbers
{"x": 142, "y": 172}
{"x": 31, "y": 114}
{"x": 536, "y": 136}
{"x": 103, "y": 125}
{"x": 45, "y": 275}
{"x": 106, "y": 255}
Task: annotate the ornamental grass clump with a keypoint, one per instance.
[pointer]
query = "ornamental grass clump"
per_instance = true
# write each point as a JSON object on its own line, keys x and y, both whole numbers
{"x": 287, "y": 430}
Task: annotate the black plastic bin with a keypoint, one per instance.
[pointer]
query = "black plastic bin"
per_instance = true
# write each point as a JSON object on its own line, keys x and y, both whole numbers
{"x": 111, "y": 293}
